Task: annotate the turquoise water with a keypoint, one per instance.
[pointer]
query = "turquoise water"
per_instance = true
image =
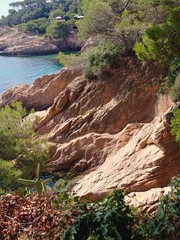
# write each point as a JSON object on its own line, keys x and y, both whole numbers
{"x": 18, "y": 70}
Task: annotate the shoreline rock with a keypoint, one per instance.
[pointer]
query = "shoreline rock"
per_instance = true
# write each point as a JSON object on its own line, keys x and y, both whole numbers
{"x": 13, "y": 43}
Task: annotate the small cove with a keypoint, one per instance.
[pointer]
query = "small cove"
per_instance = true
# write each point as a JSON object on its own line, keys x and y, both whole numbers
{"x": 19, "y": 70}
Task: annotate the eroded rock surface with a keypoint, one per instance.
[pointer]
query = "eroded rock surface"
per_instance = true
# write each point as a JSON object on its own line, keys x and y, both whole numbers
{"x": 112, "y": 131}
{"x": 149, "y": 159}
{"x": 147, "y": 201}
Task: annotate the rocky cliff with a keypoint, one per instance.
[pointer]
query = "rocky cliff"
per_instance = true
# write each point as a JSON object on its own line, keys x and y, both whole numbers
{"x": 13, "y": 42}
{"x": 112, "y": 131}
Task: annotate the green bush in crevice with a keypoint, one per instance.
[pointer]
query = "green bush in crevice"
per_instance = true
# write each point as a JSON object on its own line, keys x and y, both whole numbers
{"x": 102, "y": 59}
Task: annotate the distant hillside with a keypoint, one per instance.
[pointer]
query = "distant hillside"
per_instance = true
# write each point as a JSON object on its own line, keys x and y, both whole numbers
{"x": 53, "y": 18}
{"x": 14, "y": 42}
{"x": 24, "y": 11}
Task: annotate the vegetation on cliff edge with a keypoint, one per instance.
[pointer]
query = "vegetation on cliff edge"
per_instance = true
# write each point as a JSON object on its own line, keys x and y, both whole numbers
{"x": 150, "y": 28}
{"x": 20, "y": 147}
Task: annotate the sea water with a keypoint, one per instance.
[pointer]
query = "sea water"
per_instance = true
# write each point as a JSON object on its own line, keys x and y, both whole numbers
{"x": 19, "y": 70}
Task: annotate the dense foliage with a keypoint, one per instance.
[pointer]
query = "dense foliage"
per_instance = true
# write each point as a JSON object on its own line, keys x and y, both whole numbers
{"x": 39, "y": 17}
{"x": 166, "y": 222}
{"x": 37, "y": 26}
{"x": 19, "y": 143}
{"x": 121, "y": 20}
{"x": 152, "y": 26}
{"x": 56, "y": 13}
{"x": 102, "y": 59}
{"x": 110, "y": 218}
{"x": 27, "y": 10}
{"x": 175, "y": 125}
{"x": 57, "y": 29}
{"x": 63, "y": 217}
{"x": 162, "y": 42}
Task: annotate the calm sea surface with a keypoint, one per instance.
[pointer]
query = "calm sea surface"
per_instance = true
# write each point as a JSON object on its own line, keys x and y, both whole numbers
{"x": 18, "y": 70}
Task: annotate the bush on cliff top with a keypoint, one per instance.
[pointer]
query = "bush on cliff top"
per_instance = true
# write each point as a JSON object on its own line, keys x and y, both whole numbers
{"x": 102, "y": 59}
{"x": 110, "y": 218}
{"x": 161, "y": 42}
{"x": 34, "y": 26}
{"x": 57, "y": 30}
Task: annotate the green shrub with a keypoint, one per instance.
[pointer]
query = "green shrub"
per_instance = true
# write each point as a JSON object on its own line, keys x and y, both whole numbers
{"x": 34, "y": 26}
{"x": 110, "y": 218}
{"x": 56, "y": 13}
{"x": 161, "y": 42}
{"x": 74, "y": 60}
{"x": 57, "y": 30}
{"x": 174, "y": 68}
{"x": 19, "y": 141}
{"x": 8, "y": 175}
{"x": 171, "y": 83}
{"x": 175, "y": 125}
{"x": 102, "y": 59}
{"x": 175, "y": 90}
{"x": 165, "y": 224}
{"x": 66, "y": 59}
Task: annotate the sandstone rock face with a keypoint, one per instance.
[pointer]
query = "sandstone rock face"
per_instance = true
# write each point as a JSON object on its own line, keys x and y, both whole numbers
{"x": 15, "y": 93}
{"x": 41, "y": 94}
{"x": 113, "y": 129}
{"x": 143, "y": 163}
{"x": 13, "y": 42}
{"x": 147, "y": 201}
